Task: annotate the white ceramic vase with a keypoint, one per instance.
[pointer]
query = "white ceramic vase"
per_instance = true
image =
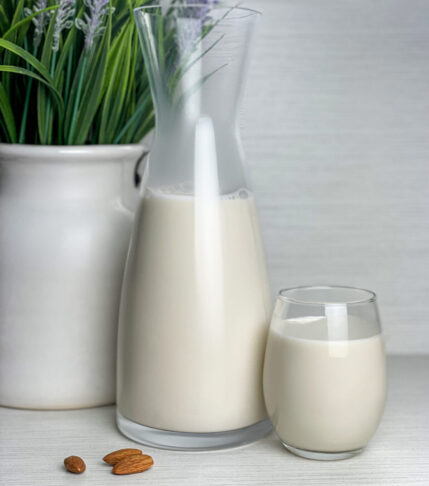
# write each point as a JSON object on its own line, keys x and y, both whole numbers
{"x": 65, "y": 221}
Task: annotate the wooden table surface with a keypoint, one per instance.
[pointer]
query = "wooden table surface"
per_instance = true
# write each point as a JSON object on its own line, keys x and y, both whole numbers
{"x": 33, "y": 445}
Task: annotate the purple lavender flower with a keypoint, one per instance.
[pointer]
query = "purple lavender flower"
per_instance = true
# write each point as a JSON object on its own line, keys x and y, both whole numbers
{"x": 200, "y": 8}
{"x": 63, "y": 20}
{"x": 92, "y": 26}
{"x": 40, "y": 20}
{"x": 193, "y": 16}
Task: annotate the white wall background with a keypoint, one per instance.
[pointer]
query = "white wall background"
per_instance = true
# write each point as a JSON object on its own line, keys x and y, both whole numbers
{"x": 336, "y": 128}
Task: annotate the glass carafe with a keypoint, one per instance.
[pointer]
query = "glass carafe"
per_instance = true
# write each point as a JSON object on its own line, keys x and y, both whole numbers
{"x": 196, "y": 302}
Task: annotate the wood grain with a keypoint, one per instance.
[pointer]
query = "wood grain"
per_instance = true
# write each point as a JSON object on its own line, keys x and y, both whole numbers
{"x": 34, "y": 444}
{"x": 335, "y": 125}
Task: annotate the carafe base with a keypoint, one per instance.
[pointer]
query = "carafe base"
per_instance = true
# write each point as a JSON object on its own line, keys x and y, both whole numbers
{"x": 184, "y": 441}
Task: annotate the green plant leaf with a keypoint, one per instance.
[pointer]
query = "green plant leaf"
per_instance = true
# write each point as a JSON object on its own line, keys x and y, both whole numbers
{"x": 132, "y": 89}
{"x": 114, "y": 97}
{"x": 90, "y": 98}
{"x": 112, "y": 57}
{"x": 66, "y": 51}
{"x": 4, "y": 21}
{"x": 8, "y": 59}
{"x": 74, "y": 98}
{"x": 44, "y": 112}
{"x": 25, "y": 72}
{"x": 133, "y": 120}
{"x": 41, "y": 104}
{"x": 18, "y": 11}
{"x": 7, "y": 113}
{"x": 144, "y": 128}
{"x": 27, "y": 57}
{"x": 26, "y": 21}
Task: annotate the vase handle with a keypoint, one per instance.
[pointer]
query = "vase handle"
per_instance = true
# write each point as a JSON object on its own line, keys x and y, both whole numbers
{"x": 132, "y": 177}
{"x": 137, "y": 173}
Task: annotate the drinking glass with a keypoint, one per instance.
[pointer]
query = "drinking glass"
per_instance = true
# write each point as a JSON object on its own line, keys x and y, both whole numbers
{"x": 325, "y": 370}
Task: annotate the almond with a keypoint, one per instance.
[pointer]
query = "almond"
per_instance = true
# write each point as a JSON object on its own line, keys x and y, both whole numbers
{"x": 133, "y": 464}
{"x": 116, "y": 456}
{"x": 74, "y": 464}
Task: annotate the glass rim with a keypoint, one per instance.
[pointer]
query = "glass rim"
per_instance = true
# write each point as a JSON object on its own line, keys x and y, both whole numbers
{"x": 370, "y": 295}
{"x": 247, "y": 12}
